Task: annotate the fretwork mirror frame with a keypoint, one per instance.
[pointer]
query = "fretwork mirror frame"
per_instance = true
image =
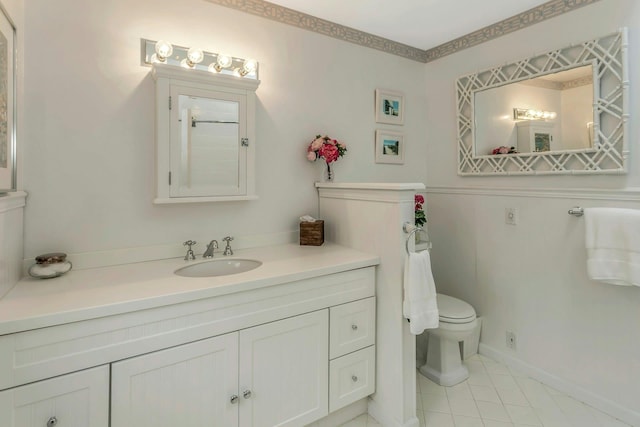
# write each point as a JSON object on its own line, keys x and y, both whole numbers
{"x": 609, "y": 154}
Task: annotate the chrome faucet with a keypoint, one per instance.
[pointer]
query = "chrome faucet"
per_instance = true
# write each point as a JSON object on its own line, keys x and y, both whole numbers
{"x": 227, "y": 249}
{"x": 189, "y": 254}
{"x": 210, "y": 247}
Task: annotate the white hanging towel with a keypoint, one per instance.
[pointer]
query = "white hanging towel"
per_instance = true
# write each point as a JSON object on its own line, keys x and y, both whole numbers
{"x": 612, "y": 238}
{"x": 420, "y": 305}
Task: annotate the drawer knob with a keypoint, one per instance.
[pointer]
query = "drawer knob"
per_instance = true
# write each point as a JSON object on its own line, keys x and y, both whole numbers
{"x": 234, "y": 398}
{"x": 246, "y": 394}
{"x": 53, "y": 421}
{"x": 354, "y": 378}
{"x": 354, "y": 327}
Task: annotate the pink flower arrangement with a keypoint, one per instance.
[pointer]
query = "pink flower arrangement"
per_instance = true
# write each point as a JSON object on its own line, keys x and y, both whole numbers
{"x": 420, "y": 217}
{"x": 327, "y": 148}
{"x": 504, "y": 150}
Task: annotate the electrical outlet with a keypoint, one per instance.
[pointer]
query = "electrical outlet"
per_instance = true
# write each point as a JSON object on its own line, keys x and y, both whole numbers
{"x": 511, "y": 340}
{"x": 511, "y": 216}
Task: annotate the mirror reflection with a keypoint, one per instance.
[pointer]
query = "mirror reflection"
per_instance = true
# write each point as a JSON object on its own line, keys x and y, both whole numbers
{"x": 553, "y": 112}
{"x": 209, "y": 147}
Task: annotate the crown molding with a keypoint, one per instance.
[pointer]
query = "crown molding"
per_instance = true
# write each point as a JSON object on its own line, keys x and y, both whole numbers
{"x": 301, "y": 20}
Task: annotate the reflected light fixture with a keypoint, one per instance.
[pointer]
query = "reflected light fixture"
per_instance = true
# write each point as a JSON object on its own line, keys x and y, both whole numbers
{"x": 163, "y": 51}
{"x": 532, "y": 114}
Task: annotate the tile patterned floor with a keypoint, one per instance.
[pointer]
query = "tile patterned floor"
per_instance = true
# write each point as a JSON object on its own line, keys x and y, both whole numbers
{"x": 497, "y": 396}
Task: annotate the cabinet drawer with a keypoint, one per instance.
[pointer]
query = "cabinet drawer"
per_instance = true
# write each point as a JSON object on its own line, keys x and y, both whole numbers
{"x": 351, "y": 377}
{"x": 80, "y": 399}
{"x": 352, "y": 327}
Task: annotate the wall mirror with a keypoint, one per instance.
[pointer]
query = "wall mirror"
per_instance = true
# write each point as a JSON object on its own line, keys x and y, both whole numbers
{"x": 205, "y": 136}
{"x": 7, "y": 105}
{"x": 563, "y": 112}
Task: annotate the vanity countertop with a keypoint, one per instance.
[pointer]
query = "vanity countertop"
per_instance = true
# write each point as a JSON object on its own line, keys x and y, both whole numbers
{"x": 98, "y": 292}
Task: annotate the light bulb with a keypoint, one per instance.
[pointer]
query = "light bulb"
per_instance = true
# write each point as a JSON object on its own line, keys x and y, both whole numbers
{"x": 163, "y": 50}
{"x": 194, "y": 56}
{"x": 224, "y": 61}
{"x": 552, "y": 115}
{"x": 248, "y": 66}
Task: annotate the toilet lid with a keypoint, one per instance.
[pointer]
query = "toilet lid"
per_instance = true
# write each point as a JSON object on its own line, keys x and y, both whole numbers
{"x": 453, "y": 310}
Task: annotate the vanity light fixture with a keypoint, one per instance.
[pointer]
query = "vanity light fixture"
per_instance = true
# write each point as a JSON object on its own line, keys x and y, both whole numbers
{"x": 531, "y": 114}
{"x": 196, "y": 59}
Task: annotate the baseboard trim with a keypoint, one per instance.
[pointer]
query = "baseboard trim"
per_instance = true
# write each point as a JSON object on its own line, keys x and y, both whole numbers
{"x": 383, "y": 418}
{"x": 603, "y": 404}
{"x": 342, "y": 416}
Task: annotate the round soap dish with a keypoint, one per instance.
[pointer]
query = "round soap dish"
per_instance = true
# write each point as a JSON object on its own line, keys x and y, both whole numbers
{"x": 51, "y": 265}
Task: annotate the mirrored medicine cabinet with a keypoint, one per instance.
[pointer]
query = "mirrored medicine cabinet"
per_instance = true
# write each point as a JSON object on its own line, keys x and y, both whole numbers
{"x": 205, "y": 136}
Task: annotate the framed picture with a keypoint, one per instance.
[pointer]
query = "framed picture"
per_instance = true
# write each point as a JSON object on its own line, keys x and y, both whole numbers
{"x": 389, "y": 107}
{"x": 389, "y": 147}
{"x": 7, "y": 105}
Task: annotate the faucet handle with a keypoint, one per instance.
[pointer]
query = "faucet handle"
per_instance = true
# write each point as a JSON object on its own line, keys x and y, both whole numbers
{"x": 227, "y": 249}
{"x": 189, "y": 254}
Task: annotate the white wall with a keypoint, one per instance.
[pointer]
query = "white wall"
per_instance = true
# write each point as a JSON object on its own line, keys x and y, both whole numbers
{"x": 531, "y": 278}
{"x": 89, "y": 142}
{"x": 577, "y": 111}
{"x": 494, "y": 114}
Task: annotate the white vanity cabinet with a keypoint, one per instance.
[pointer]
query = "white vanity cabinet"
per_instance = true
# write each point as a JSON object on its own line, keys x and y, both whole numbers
{"x": 80, "y": 399}
{"x": 274, "y": 374}
{"x": 284, "y": 368}
{"x": 189, "y": 385}
{"x": 251, "y": 358}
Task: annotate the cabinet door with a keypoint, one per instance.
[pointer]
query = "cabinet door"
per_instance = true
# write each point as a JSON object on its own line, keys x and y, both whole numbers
{"x": 80, "y": 399}
{"x": 284, "y": 367}
{"x": 191, "y": 385}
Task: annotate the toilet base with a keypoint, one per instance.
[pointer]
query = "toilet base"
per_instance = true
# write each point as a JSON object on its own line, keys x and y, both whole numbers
{"x": 444, "y": 364}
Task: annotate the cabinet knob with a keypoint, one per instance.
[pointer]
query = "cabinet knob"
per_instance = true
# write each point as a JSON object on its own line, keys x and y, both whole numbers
{"x": 234, "y": 398}
{"x": 354, "y": 378}
{"x": 354, "y": 327}
{"x": 53, "y": 421}
{"x": 246, "y": 394}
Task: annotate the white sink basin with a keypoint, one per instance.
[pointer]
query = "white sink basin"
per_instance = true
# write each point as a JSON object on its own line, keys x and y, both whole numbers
{"x": 218, "y": 267}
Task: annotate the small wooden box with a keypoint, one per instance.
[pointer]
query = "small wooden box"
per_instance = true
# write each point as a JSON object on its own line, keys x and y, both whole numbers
{"x": 312, "y": 233}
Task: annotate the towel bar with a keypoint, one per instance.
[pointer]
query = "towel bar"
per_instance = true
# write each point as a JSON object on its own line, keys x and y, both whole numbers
{"x": 407, "y": 227}
{"x": 576, "y": 211}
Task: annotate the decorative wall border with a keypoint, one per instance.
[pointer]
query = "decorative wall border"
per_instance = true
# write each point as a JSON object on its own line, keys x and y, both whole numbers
{"x": 533, "y": 16}
{"x": 284, "y": 15}
{"x": 301, "y": 20}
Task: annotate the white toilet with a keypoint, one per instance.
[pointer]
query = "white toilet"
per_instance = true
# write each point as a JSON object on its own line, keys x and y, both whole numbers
{"x": 457, "y": 323}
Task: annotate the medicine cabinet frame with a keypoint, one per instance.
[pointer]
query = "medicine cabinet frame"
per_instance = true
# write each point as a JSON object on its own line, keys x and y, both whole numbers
{"x": 173, "y": 82}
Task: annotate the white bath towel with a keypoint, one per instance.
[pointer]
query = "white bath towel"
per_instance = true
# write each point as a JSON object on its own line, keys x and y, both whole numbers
{"x": 420, "y": 305}
{"x": 612, "y": 238}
